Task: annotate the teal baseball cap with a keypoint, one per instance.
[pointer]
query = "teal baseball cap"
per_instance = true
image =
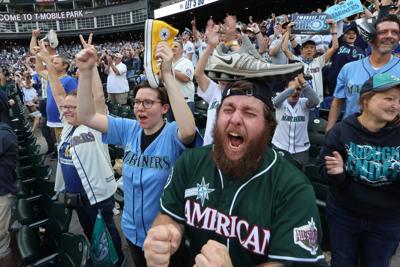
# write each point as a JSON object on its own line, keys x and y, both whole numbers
{"x": 380, "y": 83}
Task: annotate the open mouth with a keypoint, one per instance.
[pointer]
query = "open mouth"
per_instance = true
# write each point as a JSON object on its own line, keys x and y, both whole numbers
{"x": 235, "y": 139}
{"x": 142, "y": 117}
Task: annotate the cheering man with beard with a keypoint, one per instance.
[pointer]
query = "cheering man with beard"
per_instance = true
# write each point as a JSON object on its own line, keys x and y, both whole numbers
{"x": 237, "y": 202}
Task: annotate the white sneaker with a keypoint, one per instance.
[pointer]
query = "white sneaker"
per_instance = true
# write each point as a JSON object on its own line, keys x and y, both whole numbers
{"x": 248, "y": 63}
{"x": 51, "y": 37}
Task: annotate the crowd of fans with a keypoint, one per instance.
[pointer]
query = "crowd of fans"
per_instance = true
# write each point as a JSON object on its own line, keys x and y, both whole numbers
{"x": 353, "y": 71}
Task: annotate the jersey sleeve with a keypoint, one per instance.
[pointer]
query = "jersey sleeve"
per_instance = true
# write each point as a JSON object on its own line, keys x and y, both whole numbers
{"x": 186, "y": 68}
{"x": 210, "y": 92}
{"x": 296, "y": 232}
{"x": 190, "y": 48}
{"x": 321, "y": 61}
{"x": 340, "y": 90}
{"x": 172, "y": 199}
{"x": 119, "y": 131}
{"x": 122, "y": 69}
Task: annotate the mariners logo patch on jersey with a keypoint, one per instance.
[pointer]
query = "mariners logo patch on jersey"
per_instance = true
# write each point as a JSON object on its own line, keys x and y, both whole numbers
{"x": 306, "y": 236}
{"x": 201, "y": 191}
{"x": 164, "y": 34}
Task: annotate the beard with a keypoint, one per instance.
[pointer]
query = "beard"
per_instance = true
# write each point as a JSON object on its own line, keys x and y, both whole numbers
{"x": 248, "y": 163}
{"x": 384, "y": 49}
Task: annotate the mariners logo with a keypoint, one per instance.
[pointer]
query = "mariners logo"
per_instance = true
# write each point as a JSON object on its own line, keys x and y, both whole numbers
{"x": 201, "y": 191}
{"x": 164, "y": 34}
{"x": 102, "y": 248}
{"x": 306, "y": 236}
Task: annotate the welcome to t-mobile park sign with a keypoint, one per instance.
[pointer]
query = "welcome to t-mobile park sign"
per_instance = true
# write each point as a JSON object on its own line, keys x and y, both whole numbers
{"x": 45, "y": 16}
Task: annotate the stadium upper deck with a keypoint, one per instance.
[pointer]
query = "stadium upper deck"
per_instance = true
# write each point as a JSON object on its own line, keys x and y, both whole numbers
{"x": 70, "y": 17}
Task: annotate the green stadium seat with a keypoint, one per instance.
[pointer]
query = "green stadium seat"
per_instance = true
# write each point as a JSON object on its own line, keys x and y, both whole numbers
{"x": 34, "y": 172}
{"x": 41, "y": 249}
{"x": 74, "y": 250}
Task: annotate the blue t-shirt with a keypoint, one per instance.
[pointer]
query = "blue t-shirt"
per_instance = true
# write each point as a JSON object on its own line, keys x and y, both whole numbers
{"x": 145, "y": 174}
{"x": 53, "y": 116}
{"x": 353, "y": 75}
{"x": 73, "y": 183}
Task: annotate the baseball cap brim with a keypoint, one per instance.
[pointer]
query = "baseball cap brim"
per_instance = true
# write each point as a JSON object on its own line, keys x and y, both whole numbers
{"x": 380, "y": 83}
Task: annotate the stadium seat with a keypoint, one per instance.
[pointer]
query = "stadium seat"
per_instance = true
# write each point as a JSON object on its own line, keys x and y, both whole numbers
{"x": 29, "y": 150}
{"x": 74, "y": 250}
{"x": 32, "y": 188}
{"x": 32, "y": 210}
{"x": 286, "y": 155}
{"x": 41, "y": 249}
{"x": 200, "y": 114}
{"x": 316, "y": 134}
{"x": 32, "y": 160}
{"x": 34, "y": 172}
{"x": 321, "y": 190}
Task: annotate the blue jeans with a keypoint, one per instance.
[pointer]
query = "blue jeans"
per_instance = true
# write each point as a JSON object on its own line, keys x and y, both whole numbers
{"x": 359, "y": 241}
{"x": 87, "y": 218}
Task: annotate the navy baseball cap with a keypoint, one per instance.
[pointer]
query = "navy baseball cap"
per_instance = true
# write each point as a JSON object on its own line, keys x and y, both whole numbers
{"x": 380, "y": 83}
{"x": 308, "y": 41}
{"x": 258, "y": 90}
{"x": 351, "y": 26}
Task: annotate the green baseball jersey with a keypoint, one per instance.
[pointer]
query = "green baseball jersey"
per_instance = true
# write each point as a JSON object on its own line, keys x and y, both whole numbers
{"x": 270, "y": 216}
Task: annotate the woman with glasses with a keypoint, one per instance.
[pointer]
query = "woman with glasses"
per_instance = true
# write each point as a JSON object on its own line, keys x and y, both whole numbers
{"x": 151, "y": 144}
{"x": 84, "y": 171}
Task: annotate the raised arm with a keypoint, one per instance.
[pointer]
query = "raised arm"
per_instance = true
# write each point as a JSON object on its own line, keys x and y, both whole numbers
{"x": 183, "y": 116}
{"x": 285, "y": 47}
{"x": 335, "y": 43}
{"x": 87, "y": 115}
{"x": 34, "y": 41}
{"x": 292, "y": 86}
{"x": 212, "y": 41}
{"x": 97, "y": 87}
{"x": 57, "y": 89}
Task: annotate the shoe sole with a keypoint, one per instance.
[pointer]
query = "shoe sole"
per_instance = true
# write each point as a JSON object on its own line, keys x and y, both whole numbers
{"x": 148, "y": 55}
{"x": 230, "y": 74}
{"x": 53, "y": 40}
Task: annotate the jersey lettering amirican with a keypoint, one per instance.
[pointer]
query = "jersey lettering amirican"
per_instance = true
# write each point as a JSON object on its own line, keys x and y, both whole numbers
{"x": 269, "y": 216}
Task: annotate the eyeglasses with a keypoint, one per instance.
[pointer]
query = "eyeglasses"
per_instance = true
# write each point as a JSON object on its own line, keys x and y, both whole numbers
{"x": 147, "y": 103}
{"x": 69, "y": 108}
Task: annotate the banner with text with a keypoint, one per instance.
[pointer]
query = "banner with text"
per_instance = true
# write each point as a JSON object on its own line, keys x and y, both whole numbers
{"x": 180, "y": 7}
{"x": 345, "y": 9}
{"x": 313, "y": 23}
{"x": 45, "y": 16}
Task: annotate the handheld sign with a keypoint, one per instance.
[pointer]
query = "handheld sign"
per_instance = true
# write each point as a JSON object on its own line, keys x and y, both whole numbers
{"x": 345, "y": 9}
{"x": 313, "y": 23}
